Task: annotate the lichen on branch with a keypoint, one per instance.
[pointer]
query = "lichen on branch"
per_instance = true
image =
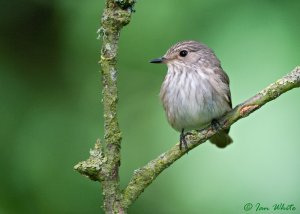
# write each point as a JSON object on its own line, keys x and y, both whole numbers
{"x": 104, "y": 161}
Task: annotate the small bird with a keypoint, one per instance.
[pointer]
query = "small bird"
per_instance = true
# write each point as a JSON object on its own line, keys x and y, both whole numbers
{"x": 195, "y": 91}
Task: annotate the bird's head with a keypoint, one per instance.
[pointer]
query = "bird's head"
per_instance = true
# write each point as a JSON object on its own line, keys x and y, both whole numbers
{"x": 188, "y": 54}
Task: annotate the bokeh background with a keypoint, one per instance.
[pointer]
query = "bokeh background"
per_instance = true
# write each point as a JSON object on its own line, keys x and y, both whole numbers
{"x": 51, "y": 114}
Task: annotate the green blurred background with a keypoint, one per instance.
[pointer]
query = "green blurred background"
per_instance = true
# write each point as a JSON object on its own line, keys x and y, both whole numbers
{"x": 51, "y": 114}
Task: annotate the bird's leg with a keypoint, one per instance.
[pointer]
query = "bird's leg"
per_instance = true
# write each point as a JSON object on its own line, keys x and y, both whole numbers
{"x": 182, "y": 140}
{"x": 215, "y": 124}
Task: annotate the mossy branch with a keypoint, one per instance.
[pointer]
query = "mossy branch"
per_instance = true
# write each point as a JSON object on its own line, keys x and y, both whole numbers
{"x": 144, "y": 176}
{"x": 103, "y": 164}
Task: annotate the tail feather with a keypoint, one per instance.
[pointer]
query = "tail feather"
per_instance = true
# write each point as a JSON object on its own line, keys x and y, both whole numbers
{"x": 221, "y": 139}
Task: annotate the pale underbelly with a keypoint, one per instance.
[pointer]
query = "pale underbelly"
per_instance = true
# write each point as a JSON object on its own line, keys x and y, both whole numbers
{"x": 194, "y": 111}
{"x": 192, "y": 99}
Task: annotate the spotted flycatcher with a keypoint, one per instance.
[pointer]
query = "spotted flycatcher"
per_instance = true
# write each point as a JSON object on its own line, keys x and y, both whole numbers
{"x": 195, "y": 91}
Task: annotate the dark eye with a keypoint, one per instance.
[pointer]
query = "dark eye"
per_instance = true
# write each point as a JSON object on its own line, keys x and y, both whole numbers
{"x": 183, "y": 53}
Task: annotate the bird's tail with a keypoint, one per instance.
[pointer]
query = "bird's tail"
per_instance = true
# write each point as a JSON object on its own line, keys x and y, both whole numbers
{"x": 221, "y": 139}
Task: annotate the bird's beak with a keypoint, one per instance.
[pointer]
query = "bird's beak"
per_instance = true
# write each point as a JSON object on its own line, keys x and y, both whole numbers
{"x": 158, "y": 60}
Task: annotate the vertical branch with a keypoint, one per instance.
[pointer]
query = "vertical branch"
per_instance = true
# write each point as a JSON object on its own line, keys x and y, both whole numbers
{"x": 116, "y": 15}
{"x": 104, "y": 161}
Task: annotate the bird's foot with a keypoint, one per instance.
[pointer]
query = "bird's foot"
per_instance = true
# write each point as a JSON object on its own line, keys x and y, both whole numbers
{"x": 215, "y": 124}
{"x": 182, "y": 141}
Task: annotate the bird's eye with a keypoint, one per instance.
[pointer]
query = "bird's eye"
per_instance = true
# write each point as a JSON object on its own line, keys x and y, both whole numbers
{"x": 183, "y": 53}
